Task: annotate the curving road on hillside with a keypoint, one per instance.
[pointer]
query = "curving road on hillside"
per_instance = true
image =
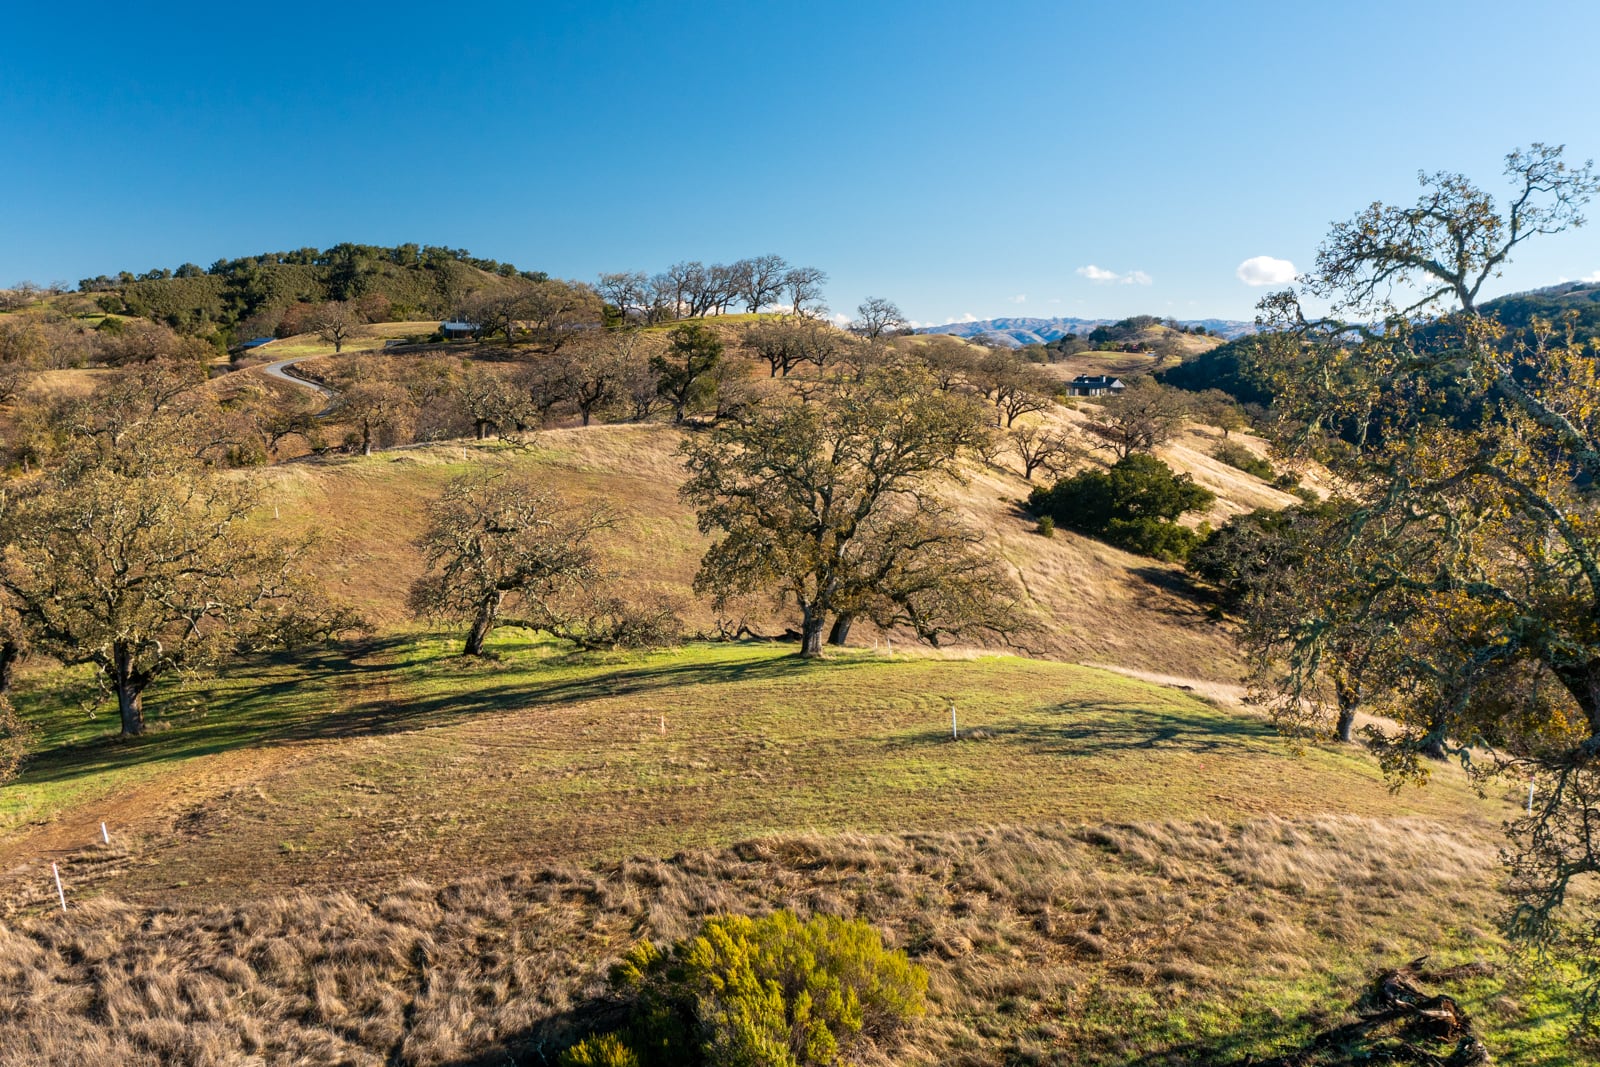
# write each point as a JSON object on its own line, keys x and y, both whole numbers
{"x": 279, "y": 370}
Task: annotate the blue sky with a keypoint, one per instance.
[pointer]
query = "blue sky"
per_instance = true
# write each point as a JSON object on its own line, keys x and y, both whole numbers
{"x": 1090, "y": 159}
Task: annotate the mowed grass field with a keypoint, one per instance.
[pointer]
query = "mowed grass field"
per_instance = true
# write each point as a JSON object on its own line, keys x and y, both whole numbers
{"x": 371, "y": 335}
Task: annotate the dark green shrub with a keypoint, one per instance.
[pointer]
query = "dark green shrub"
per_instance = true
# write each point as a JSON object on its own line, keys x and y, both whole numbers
{"x": 1134, "y": 505}
{"x": 1047, "y": 526}
{"x": 1155, "y": 538}
{"x": 1236, "y": 455}
{"x": 1248, "y": 548}
{"x": 769, "y": 992}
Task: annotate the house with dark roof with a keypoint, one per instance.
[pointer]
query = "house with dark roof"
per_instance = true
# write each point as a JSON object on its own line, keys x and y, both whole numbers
{"x": 457, "y": 330}
{"x": 1095, "y": 385}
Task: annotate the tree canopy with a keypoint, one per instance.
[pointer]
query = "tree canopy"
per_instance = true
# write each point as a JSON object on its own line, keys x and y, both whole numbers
{"x": 145, "y": 569}
{"x": 826, "y": 498}
{"x": 498, "y": 542}
{"x": 1471, "y": 548}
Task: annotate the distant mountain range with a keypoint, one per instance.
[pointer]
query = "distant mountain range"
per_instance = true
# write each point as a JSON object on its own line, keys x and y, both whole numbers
{"x": 1027, "y": 331}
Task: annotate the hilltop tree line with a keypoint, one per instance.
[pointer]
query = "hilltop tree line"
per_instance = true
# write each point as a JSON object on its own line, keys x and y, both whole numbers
{"x": 692, "y": 289}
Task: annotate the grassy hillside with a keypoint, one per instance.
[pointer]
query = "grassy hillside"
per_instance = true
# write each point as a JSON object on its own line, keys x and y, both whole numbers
{"x": 396, "y": 757}
{"x": 371, "y": 336}
{"x": 1096, "y": 603}
{"x": 379, "y": 852}
{"x": 1099, "y": 871}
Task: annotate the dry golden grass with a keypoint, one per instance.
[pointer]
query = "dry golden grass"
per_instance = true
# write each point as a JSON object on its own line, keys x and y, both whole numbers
{"x": 1095, "y": 603}
{"x": 1155, "y": 942}
{"x": 68, "y": 382}
{"x": 368, "y": 511}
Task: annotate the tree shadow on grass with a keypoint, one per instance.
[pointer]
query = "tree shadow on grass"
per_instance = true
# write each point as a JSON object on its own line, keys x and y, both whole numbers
{"x": 256, "y": 718}
{"x": 413, "y": 713}
{"x": 545, "y": 1039}
{"x": 1085, "y": 729}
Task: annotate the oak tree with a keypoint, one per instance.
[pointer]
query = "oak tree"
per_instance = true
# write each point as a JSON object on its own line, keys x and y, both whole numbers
{"x": 1468, "y": 458}
{"x": 826, "y": 498}
{"x": 876, "y": 317}
{"x": 1139, "y": 419}
{"x": 685, "y": 371}
{"x": 335, "y": 322}
{"x": 146, "y": 567}
{"x": 499, "y": 543}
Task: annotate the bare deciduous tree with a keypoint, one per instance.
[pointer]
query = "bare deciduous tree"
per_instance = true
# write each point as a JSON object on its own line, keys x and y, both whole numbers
{"x": 803, "y": 287}
{"x": 876, "y": 317}
{"x": 1040, "y": 447}
{"x": 336, "y": 322}
{"x": 1140, "y": 419}
{"x": 760, "y": 280}
{"x": 494, "y": 543}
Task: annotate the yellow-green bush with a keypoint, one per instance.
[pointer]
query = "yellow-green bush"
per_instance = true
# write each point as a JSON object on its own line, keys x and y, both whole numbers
{"x": 602, "y": 1050}
{"x": 777, "y": 991}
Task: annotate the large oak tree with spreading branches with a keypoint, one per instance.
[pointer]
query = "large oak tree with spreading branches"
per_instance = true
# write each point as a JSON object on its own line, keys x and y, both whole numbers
{"x": 827, "y": 497}
{"x": 1467, "y": 567}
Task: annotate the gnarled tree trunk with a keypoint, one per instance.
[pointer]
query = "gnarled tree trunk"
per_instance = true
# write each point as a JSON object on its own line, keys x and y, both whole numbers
{"x": 840, "y": 633}
{"x": 129, "y": 685}
{"x": 10, "y": 652}
{"x": 811, "y": 625}
{"x": 488, "y": 611}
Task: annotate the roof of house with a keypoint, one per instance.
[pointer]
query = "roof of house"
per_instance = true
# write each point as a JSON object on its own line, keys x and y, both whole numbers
{"x": 256, "y": 342}
{"x": 458, "y": 326}
{"x": 1098, "y": 379}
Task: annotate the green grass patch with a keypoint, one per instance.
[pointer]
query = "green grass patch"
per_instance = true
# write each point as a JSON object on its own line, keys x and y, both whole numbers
{"x": 398, "y": 754}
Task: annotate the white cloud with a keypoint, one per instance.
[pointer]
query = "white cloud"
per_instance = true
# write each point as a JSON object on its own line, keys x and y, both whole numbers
{"x": 1265, "y": 270}
{"x": 1101, "y": 276}
{"x": 841, "y": 318}
{"x": 968, "y": 317}
{"x": 1020, "y": 298}
{"x": 1595, "y": 277}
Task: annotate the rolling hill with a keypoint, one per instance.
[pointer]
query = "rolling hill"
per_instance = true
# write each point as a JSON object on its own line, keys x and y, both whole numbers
{"x": 378, "y": 852}
{"x": 1038, "y": 331}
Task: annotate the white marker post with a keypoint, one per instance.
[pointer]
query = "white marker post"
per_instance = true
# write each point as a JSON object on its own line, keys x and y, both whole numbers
{"x": 954, "y": 736}
{"x": 62, "y": 893}
{"x": 105, "y": 838}
{"x": 663, "y": 726}
{"x": 1530, "y": 798}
